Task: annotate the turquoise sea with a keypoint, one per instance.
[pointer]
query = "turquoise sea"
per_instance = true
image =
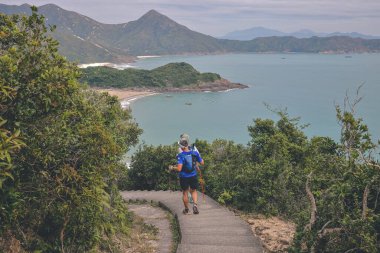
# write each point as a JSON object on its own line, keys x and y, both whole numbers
{"x": 308, "y": 85}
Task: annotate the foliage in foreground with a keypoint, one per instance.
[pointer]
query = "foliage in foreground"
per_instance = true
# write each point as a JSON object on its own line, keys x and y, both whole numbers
{"x": 331, "y": 190}
{"x": 60, "y": 147}
{"x": 169, "y": 75}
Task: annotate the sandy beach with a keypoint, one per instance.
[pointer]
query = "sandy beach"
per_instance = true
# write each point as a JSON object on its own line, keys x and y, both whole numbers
{"x": 126, "y": 96}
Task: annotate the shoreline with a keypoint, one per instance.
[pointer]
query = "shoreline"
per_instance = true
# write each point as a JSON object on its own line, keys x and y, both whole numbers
{"x": 221, "y": 85}
{"x": 127, "y": 96}
{"x": 126, "y": 93}
{"x": 125, "y": 103}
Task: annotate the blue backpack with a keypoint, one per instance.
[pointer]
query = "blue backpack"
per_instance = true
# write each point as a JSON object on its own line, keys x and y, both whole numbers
{"x": 190, "y": 161}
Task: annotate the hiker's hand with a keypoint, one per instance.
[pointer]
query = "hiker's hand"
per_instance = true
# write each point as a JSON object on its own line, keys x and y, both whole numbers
{"x": 172, "y": 168}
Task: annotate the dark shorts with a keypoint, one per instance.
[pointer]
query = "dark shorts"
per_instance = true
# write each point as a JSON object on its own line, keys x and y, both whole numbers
{"x": 187, "y": 182}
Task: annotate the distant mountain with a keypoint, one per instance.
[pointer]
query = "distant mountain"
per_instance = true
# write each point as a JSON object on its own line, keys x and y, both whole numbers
{"x": 78, "y": 35}
{"x": 252, "y": 33}
{"x": 85, "y": 40}
{"x": 353, "y": 35}
{"x": 156, "y": 34}
{"x": 336, "y": 44}
{"x": 303, "y": 34}
{"x": 259, "y": 32}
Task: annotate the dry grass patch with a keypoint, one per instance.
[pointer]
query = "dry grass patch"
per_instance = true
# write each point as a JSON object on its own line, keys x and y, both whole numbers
{"x": 275, "y": 233}
{"x": 141, "y": 239}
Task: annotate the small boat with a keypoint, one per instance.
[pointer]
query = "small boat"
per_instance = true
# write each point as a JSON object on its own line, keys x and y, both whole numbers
{"x": 188, "y": 103}
{"x": 348, "y": 56}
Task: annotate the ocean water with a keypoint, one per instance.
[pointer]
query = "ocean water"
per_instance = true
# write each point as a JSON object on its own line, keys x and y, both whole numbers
{"x": 306, "y": 85}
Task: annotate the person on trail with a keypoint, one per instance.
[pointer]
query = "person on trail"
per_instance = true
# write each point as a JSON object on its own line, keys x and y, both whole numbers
{"x": 187, "y": 166}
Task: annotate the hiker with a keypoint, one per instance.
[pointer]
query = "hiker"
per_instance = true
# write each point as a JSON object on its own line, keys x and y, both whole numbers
{"x": 193, "y": 147}
{"x": 187, "y": 166}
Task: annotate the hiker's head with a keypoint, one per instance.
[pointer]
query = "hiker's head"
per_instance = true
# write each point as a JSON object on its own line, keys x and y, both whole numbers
{"x": 183, "y": 140}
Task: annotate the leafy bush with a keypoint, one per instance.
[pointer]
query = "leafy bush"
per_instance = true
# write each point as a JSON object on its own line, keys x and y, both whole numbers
{"x": 209, "y": 77}
{"x": 59, "y": 190}
{"x": 149, "y": 169}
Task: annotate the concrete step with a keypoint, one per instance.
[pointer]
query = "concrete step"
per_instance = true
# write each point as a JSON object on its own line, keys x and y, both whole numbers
{"x": 192, "y": 248}
{"x": 221, "y": 240}
{"x": 210, "y": 216}
{"x": 232, "y": 231}
{"x": 199, "y": 222}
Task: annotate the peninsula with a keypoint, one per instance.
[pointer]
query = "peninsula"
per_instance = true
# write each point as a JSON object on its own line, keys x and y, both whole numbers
{"x": 172, "y": 77}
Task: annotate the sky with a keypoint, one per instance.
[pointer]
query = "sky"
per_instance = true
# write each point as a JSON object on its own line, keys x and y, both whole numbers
{"x": 218, "y": 17}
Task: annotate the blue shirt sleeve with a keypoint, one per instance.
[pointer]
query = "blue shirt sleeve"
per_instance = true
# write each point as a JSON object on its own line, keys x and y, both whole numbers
{"x": 199, "y": 158}
{"x": 179, "y": 159}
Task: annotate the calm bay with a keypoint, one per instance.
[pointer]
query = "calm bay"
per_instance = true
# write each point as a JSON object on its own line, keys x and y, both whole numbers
{"x": 307, "y": 85}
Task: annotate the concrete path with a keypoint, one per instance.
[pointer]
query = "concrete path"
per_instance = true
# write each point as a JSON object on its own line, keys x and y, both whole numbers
{"x": 214, "y": 229}
{"x": 157, "y": 217}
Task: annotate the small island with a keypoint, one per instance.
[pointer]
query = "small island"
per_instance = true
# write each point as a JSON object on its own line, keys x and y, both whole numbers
{"x": 172, "y": 77}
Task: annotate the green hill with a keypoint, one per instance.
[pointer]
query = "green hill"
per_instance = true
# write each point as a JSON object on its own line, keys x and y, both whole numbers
{"x": 172, "y": 75}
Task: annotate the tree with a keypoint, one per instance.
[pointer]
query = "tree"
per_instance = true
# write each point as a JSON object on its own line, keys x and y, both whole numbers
{"x": 149, "y": 168}
{"x": 344, "y": 194}
{"x": 63, "y": 196}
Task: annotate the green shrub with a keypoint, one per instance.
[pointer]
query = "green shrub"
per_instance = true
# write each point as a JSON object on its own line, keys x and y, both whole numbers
{"x": 60, "y": 192}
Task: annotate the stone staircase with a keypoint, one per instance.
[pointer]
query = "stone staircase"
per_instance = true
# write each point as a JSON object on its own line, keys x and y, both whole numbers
{"x": 214, "y": 229}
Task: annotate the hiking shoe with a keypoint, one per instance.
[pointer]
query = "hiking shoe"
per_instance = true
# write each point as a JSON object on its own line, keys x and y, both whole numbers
{"x": 195, "y": 209}
{"x": 185, "y": 211}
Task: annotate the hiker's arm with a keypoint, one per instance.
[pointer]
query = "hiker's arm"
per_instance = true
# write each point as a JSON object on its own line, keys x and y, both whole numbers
{"x": 200, "y": 163}
{"x": 200, "y": 160}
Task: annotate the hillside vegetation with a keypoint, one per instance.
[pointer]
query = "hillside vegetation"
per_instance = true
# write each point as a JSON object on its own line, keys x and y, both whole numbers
{"x": 60, "y": 149}
{"x": 329, "y": 189}
{"x": 170, "y": 75}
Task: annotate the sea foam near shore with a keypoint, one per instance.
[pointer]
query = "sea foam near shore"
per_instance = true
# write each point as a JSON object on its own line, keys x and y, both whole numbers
{"x": 147, "y": 56}
{"x": 107, "y": 64}
{"x": 126, "y": 102}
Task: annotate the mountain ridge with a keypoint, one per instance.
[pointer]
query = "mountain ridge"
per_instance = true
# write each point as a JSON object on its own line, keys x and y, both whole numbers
{"x": 259, "y": 32}
{"x": 156, "y": 34}
{"x": 86, "y": 40}
{"x": 75, "y": 32}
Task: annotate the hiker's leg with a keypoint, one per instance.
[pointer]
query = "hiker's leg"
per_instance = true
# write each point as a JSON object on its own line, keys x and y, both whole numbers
{"x": 184, "y": 182}
{"x": 185, "y": 199}
{"x": 193, "y": 189}
{"x": 194, "y": 195}
{"x": 191, "y": 201}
